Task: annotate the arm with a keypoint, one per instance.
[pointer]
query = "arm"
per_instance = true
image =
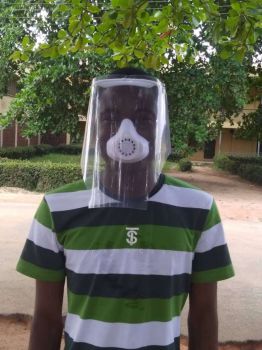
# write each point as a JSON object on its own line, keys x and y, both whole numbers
{"x": 202, "y": 318}
{"x": 47, "y": 325}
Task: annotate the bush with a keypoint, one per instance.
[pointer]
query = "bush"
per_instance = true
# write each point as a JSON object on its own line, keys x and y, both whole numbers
{"x": 18, "y": 152}
{"x": 28, "y": 152}
{"x": 185, "y": 164}
{"x": 223, "y": 162}
{"x": 69, "y": 149}
{"x": 247, "y": 160}
{"x": 37, "y": 176}
{"x": 44, "y": 149}
{"x": 249, "y": 168}
{"x": 251, "y": 172}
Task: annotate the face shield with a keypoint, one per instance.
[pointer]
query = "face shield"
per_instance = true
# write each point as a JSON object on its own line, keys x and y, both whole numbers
{"x": 126, "y": 141}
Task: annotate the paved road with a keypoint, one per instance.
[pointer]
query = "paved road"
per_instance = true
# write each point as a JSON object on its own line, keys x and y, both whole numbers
{"x": 240, "y": 299}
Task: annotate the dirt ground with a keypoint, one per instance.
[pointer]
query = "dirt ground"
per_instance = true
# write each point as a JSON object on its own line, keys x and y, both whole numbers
{"x": 14, "y": 331}
{"x": 235, "y": 198}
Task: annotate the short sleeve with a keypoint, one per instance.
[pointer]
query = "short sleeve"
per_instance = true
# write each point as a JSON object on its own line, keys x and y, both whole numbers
{"x": 42, "y": 257}
{"x": 212, "y": 260}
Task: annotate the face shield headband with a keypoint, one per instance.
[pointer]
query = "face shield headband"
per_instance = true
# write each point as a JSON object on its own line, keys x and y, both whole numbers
{"x": 126, "y": 141}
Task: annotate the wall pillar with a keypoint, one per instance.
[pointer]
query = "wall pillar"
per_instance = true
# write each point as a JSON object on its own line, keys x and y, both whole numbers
{"x": 1, "y": 137}
{"x": 16, "y": 132}
{"x": 258, "y": 148}
{"x": 68, "y": 139}
{"x": 219, "y": 141}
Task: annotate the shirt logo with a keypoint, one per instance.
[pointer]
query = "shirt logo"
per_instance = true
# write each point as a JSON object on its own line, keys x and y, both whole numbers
{"x": 132, "y": 235}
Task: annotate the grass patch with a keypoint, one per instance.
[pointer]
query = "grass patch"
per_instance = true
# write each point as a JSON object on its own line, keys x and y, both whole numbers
{"x": 58, "y": 158}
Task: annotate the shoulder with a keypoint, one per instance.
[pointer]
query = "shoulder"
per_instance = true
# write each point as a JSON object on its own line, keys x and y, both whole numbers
{"x": 68, "y": 196}
{"x": 183, "y": 194}
{"x": 71, "y": 187}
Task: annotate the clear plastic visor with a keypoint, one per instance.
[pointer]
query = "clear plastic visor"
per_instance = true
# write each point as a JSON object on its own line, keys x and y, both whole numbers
{"x": 126, "y": 141}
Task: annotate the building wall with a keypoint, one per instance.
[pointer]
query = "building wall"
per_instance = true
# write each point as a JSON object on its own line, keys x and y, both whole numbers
{"x": 199, "y": 155}
{"x": 54, "y": 140}
{"x": 11, "y": 136}
{"x": 21, "y": 140}
{"x": 229, "y": 145}
{"x": 232, "y": 145}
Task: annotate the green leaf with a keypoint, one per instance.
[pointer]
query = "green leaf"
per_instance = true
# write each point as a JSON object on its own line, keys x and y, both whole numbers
{"x": 225, "y": 53}
{"x": 97, "y": 37}
{"x": 152, "y": 61}
{"x": 50, "y": 52}
{"x": 61, "y": 8}
{"x": 76, "y": 11}
{"x": 25, "y": 41}
{"x": 157, "y": 14}
{"x": 93, "y": 9}
{"x": 62, "y": 34}
{"x": 16, "y": 55}
{"x": 76, "y": 2}
{"x": 112, "y": 14}
{"x": 74, "y": 27}
{"x": 236, "y": 6}
{"x": 123, "y": 4}
{"x": 44, "y": 46}
{"x": 164, "y": 60}
{"x": 100, "y": 51}
{"x": 24, "y": 57}
{"x": 142, "y": 8}
{"x": 162, "y": 26}
{"x": 240, "y": 54}
{"x": 127, "y": 21}
{"x": 117, "y": 57}
{"x": 139, "y": 53}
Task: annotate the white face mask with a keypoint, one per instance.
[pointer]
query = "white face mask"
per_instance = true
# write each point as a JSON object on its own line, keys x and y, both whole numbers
{"x": 127, "y": 145}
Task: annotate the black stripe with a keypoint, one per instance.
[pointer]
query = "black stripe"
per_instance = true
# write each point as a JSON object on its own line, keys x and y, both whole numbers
{"x": 128, "y": 286}
{"x": 42, "y": 257}
{"x": 71, "y": 345}
{"x": 155, "y": 214}
{"x": 214, "y": 258}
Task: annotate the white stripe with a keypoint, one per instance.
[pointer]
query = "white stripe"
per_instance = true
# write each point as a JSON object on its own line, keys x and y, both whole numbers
{"x": 68, "y": 200}
{"x": 168, "y": 194}
{"x": 43, "y": 237}
{"x": 122, "y": 335}
{"x": 77, "y": 199}
{"x": 183, "y": 197}
{"x": 129, "y": 261}
{"x": 211, "y": 238}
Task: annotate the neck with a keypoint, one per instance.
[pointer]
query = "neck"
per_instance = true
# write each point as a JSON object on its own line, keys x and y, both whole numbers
{"x": 129, "y": 181}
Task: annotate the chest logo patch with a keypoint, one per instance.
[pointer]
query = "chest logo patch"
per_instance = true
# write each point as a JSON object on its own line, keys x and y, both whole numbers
{"x": 131, "y": 235}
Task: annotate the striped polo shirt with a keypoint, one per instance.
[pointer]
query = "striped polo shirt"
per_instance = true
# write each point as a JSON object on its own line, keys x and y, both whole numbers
{"x": 128, "y": 271}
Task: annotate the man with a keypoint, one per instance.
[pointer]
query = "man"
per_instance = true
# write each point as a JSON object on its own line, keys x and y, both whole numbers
{"x": 131, "y": 242}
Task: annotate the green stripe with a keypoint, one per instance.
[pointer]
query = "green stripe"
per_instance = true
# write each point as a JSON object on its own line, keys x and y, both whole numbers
{"x": 43, "y": 215}
{"x": 213, "y": 275}
{"x": 114, "y": 237}
{"x": 39, "y": 273}
{"x": 179, "y": 183}
{"x": 213, "y": 217}
{"x": 125, "y": 310}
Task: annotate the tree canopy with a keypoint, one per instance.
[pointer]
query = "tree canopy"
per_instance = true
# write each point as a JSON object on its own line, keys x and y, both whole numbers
{"x": 144, "y": 31}
{"x": 202, "y": 50}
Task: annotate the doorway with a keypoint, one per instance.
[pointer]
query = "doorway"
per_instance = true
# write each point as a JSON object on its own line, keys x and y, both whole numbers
{"x": 210, "y": 149}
